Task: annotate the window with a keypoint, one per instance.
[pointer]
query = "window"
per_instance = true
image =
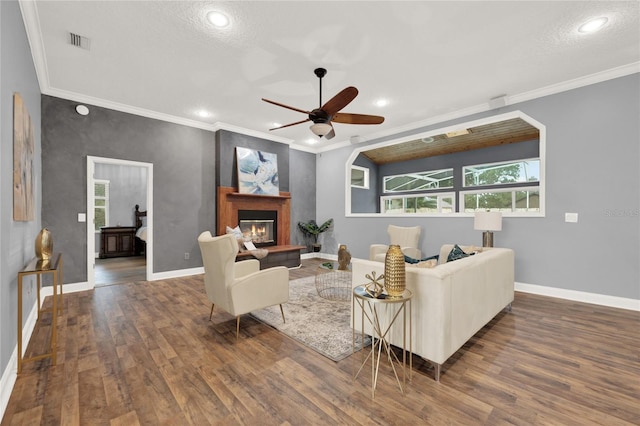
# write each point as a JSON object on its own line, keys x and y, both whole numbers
{"x": 101, "y": 203}
{"x": 524, "y": 199}
{"x": 420, "y": 181}
{"x": 506, "y": 173}
{"x": 419, "y": 204}
{"x": 359, "y": 177}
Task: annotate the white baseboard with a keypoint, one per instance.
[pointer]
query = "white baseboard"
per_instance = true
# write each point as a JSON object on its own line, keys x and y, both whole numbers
{"x": 580, "y": 296}
{"x": 176, "y": 274}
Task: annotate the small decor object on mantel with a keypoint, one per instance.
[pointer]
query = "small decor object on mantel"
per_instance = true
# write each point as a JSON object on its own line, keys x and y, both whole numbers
{"x": 374, "y": 288}
{"x": 44, "y": 244}
{"x": 394, "y": 271}
{"x": 344, "y": 258}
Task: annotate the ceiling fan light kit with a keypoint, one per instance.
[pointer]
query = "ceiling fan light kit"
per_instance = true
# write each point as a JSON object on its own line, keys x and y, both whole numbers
{"x": 324, "y": 115}
{"x": 321, "y": 129}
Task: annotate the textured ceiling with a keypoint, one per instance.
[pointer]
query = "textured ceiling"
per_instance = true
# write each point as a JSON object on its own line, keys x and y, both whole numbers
{"x": 430, "y": 60}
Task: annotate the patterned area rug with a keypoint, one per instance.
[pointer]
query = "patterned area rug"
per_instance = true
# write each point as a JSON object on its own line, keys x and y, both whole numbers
{"x": 320, "y": 324}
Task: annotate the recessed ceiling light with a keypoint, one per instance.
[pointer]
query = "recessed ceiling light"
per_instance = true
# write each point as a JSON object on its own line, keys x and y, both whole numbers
{"x": 593, "y": 25}
{"x": 276, "y": 124}
{"x": 218, "y": 19}
{"x": 82, "y": 110}
{"x": 312, "y": 141}
{"x": 382, "y": 102}
{"x": 203, "y": 114}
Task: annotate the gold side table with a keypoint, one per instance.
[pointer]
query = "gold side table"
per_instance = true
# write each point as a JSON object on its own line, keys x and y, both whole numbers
{"x": 373, "y": 309}
{"x": 38, "y": 267}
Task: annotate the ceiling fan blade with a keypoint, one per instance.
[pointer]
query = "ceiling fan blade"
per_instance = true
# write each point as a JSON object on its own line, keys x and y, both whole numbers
{"x": 347, "y": 118}
{"x": 290, "y": 124}
{"x": 340, "y": 100}
{"x": 331, "y": 134}
{"x": 286, "y": 106}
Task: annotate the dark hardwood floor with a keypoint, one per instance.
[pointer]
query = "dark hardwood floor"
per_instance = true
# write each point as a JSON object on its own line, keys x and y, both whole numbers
{"x": 146, "y": 353}
{"x": 120, "y": 270}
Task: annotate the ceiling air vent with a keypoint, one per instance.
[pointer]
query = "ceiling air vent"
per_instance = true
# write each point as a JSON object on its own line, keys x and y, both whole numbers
{"x": 79, "y": 41}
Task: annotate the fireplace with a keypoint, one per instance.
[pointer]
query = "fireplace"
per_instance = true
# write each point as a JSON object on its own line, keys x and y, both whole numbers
{"x": 231, "y": 202}
{"x": 259, "y": 225}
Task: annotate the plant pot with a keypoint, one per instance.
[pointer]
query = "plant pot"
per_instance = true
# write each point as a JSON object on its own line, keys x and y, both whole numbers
{"x": 316, "y": 248}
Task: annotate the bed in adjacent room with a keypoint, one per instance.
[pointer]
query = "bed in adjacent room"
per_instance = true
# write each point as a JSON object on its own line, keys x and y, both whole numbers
{"x": 141, "y": 231}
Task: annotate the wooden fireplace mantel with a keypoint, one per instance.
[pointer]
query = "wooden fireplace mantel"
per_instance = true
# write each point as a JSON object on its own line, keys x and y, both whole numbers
{"x": 230, "y": 201}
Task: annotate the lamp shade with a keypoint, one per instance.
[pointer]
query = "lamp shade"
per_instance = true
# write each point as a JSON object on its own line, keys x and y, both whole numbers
{"x": 321, "y": 129}
{"x": 488, "y": 221}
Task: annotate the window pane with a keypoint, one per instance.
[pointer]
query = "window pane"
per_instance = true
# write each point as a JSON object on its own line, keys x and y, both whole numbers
{"x": 447, "y": 205}
{"x": 427, "y": 205}
{"x": 527, "y": 201}
{"x": 357, "y": 177}
{"x": 502, "y": 173}
{"x": 393, "y": 205}
{"x": 488, "y": 200}
{"x": 101, "y": 203}
{"x": 99, "y": 218}
{"x": 419, "y": 181}
{"x": 99, "y": 189}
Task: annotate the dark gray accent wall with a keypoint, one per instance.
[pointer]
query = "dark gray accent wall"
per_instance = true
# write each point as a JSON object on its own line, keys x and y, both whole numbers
{"x": 302, "y": 169}
{"x": 17, "y": 74}
{"x": 226, "y": 152}
{"x": 296, "y": 173}
{"x": 592, "y": 154}
{"x": 183, "y": 161}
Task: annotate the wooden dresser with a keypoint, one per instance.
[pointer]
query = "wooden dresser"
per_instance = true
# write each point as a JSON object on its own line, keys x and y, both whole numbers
{"x": 117, "y": 241}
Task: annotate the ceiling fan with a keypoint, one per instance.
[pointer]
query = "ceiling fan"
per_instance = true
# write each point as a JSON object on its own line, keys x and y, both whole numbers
{"x": 324, "y": 115}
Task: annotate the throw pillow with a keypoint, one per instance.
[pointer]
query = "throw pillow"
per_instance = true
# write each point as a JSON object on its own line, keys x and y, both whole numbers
{"x": 408, "y": 259}
{"x": 238, "y": 234}
{"x": 457, "y": 253}
{"x": 431, "y": 263}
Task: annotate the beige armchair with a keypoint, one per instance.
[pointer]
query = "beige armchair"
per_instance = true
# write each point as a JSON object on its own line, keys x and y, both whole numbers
{"x": 239, "y": 287}
{"x": 406, "y": 237}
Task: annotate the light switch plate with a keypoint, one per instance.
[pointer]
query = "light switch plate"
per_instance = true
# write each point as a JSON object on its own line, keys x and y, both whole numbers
{"x": 82, "y": 217}
{"x": 571, "y": 217}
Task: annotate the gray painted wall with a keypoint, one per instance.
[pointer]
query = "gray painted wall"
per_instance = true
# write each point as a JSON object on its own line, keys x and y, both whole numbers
{"x": 17, "y": 74}
{"x": 183, "y": 161}
{"x": 593, "y": 136}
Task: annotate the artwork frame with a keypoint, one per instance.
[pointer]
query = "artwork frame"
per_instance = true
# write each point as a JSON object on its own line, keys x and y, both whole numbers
{"x": 257, "y": 172}
{"x": 23, "y": 158}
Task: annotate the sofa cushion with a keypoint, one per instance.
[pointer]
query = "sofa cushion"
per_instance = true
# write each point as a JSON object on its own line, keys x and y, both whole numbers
{"x": 408, "y": 259}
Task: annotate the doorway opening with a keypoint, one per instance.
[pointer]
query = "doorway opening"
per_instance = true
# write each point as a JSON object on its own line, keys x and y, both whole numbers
{"x": 117, "y": 191}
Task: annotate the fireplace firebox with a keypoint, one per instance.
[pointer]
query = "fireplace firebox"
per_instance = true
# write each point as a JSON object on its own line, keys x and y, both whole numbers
{"x": 259, "y": 225}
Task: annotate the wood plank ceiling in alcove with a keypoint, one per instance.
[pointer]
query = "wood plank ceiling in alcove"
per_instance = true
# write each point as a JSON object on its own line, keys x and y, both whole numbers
{"x": 492, "y": 134}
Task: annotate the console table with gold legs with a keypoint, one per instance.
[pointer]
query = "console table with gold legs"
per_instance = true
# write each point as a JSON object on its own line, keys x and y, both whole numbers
{"x": 381, "y": 314}
{"x": 39, "y": 267}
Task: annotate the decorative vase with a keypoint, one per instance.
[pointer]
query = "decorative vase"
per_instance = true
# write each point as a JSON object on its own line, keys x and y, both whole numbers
{"x": 344, "y": 258}
{"x": 44, "y": 244}
{"x": 394, "y": 271}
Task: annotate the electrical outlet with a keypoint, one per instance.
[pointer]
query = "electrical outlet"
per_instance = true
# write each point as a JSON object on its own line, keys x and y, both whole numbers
{"x": 186, "y": 256}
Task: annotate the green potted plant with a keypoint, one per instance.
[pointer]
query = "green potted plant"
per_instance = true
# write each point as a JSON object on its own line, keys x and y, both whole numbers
{"x": 312, "y": 230}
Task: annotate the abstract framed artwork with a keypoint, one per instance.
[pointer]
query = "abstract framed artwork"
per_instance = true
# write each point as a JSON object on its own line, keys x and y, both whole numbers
{"x": 23, "y": 147}
{"x": 257, "y": 172}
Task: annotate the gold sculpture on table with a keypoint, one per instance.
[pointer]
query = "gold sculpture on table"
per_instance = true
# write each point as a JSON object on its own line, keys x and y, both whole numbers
{"x": 374, "y": 288}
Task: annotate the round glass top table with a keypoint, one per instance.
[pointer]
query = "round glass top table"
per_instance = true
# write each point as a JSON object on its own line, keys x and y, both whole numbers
{"x": 382, "y": 313}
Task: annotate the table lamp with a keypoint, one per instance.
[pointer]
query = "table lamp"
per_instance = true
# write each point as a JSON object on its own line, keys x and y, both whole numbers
{"x": 488, "y": 222}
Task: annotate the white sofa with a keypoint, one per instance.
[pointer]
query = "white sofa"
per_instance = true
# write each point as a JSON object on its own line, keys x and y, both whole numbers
{"x": 451, "y": 302}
